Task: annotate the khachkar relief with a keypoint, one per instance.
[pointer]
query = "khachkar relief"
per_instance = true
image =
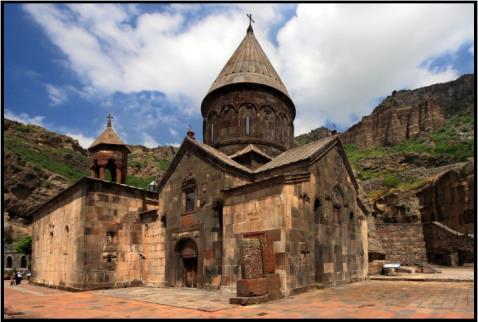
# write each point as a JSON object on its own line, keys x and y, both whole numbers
{"x": 250, "y": 259}
{"x": 258, "y": 282}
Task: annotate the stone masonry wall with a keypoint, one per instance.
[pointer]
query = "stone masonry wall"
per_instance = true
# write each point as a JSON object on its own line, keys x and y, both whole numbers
{"x": 260, "y": 210}
{"x": 202, "y": 224}
{"x": 340, "y": 227}
{"x": 403, "y": 242}
{"x": 154, "y": 252}
{"x": 113, "y": 236}
{"x": 444, "y": 242}
{"x": 57, "y": 242}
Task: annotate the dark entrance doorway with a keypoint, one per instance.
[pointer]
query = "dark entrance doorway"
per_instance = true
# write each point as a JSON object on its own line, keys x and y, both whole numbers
{"x": 188, "y": 255}
{"x": 190, "y": 272}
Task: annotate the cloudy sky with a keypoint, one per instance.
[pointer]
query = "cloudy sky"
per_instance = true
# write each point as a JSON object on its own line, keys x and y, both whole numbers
{"x": 66, "y": 66}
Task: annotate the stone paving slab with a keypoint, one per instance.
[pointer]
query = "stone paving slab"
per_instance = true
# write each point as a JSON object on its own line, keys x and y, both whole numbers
{"x": 188, "y": 298}
{"x": 367, "y": 299}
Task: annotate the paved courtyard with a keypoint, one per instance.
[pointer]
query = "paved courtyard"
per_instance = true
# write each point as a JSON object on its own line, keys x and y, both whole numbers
{"x": 367, "y": 299}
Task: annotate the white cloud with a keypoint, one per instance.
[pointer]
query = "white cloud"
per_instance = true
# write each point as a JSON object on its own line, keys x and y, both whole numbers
{"x": 24, "y": 118}
{"x": 472, "y": 50}
{"x": 57, "y": 95}
{"x": 84, "y": 141}
{"x": 148, "y": 141}
{"x": 176, "y": 145}
{"x": 337, "y": 58}
{"x": 334, "y": 58}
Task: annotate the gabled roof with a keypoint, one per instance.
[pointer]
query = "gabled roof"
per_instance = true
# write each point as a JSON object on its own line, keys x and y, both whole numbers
{"x": 249, "y": 64}
{"x": 219, "y": 155}
{"x": 251, "y": 148}
{"x": 108, "y": 137}
{"x": 305, "y": 153}
{"x": 222, "y": 158}
{"x": 297, "y": 154}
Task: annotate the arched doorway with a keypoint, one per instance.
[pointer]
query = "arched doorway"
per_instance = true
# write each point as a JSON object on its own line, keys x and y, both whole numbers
{"x": 9, "y": 262}
{"x": 23, "y": 262}
{"x": 188, "y": 258}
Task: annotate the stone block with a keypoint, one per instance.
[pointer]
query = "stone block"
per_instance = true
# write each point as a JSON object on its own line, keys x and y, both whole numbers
{"x": 328, "y": 268}
{"x": 249, "y": 300}
{"x": 251, "y": 287}
{"x": 273, "y": 286}
{"x": 268, "y": 257}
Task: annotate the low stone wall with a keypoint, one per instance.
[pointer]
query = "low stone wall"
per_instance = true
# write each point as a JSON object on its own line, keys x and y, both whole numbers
{"x": 404, "y": 243}
{"x": 446, "y": 246}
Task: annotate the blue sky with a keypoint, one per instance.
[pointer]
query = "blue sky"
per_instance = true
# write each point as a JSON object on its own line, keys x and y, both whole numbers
{"x": 149, "y": 65}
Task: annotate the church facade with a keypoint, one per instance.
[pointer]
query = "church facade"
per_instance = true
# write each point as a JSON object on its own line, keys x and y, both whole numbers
{"x": 243, "y": 211}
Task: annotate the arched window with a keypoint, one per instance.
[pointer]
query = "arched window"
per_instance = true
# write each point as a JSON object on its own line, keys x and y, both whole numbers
{"x": 67, "y": 229}
{"x": 111, "y": 167}
{"x": 9, "y": 261}
{"x": 247, "y": 114}
{"x": 282, "y": 135}
{"x": 268, "y": 119}
{"x": 23, "y": 262}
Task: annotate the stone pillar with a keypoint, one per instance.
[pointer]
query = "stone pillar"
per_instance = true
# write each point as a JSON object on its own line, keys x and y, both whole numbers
{"x": 119, "y": 178}
{"x": 102, "y": 172}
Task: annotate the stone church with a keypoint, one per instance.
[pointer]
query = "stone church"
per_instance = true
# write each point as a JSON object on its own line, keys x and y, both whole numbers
{"x": 244, "y": 211}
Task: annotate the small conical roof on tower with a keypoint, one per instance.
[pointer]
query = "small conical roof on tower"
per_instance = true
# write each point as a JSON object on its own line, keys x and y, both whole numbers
{"x": 108, "y": 137}
{"x": 249, "y": 64}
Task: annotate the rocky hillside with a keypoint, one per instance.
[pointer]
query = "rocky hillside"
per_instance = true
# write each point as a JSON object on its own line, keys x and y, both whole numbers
{"x": 413, "y": 114}
{"x": 38, "y": 164}
{"x": 314, "y": 135}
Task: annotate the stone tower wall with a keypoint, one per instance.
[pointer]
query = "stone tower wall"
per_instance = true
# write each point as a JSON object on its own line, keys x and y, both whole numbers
{"x": 271, "y": 117}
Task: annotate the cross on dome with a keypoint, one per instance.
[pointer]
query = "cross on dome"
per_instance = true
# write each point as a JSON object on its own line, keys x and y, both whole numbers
{"x": 109, "y": 117}
{"x": 249, "y": 29}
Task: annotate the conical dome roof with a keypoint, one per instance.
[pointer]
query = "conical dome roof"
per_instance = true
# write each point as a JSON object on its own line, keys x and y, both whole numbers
{"x": 249, "y": 64}
{"x": 108, "y": 137}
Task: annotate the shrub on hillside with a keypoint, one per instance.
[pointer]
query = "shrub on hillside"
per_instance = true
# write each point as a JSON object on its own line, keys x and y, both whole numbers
{"x": 391, "y": 181}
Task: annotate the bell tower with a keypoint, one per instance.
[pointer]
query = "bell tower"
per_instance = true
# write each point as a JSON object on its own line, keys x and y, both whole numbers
{"x": 248, "y": 104}
{"x": 109, "y": 156}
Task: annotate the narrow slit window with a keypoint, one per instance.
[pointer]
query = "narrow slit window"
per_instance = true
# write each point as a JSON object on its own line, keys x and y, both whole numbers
{"x": 189, "y": 194}
{"x": 248, "y": 125}
{"x": 212, "y": 132}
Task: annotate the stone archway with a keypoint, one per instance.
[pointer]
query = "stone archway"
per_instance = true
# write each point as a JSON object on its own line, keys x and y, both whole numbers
{"x": 187, "y": 254}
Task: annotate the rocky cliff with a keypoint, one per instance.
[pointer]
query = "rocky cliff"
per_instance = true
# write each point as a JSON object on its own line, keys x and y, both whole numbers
{"x": 314, "y": 135}
{"x": 411, "y": 114}
{"x": 448, "y": 197}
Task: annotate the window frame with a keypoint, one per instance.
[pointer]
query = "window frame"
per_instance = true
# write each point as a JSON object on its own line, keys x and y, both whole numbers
{"x": 187, "y": 190}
